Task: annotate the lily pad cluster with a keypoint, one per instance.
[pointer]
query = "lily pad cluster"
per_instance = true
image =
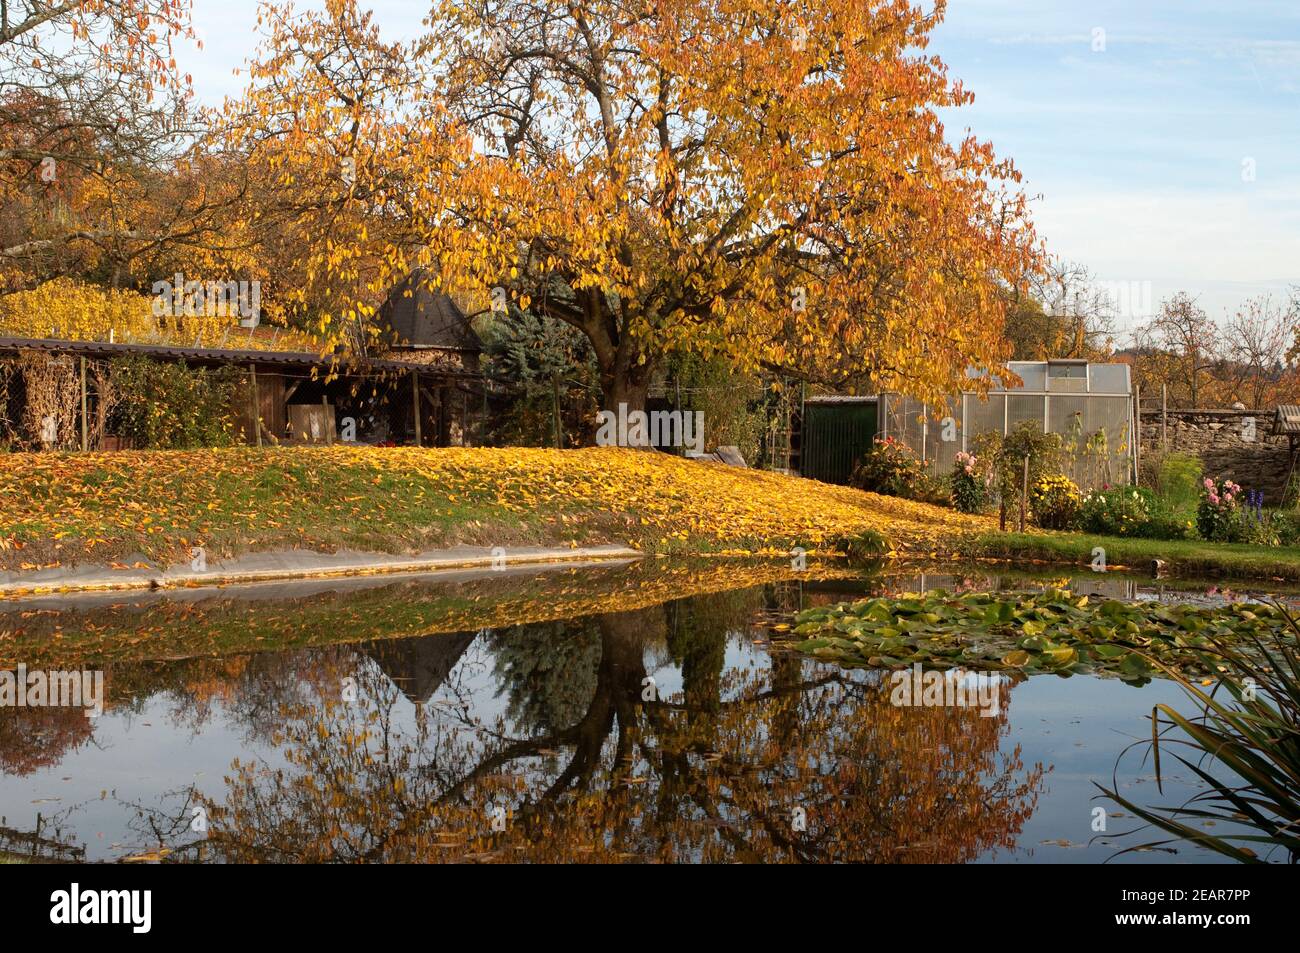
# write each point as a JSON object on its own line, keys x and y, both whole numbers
{"x": 1043, "y": 631}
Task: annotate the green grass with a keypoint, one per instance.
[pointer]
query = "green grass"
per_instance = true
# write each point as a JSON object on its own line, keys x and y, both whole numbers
{"x": 1183, "y": 557}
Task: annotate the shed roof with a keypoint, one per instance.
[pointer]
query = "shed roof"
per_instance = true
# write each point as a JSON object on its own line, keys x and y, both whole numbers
{"x": 841, "y": 399}
{"x": 1286, "y": 419}
{"x": 341, "y": 363}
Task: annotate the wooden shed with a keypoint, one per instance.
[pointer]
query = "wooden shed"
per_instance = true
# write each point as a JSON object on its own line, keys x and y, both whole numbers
{"x": 300, "y": 397}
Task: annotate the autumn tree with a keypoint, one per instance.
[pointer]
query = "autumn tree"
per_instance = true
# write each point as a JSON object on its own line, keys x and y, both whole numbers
{"x": 1255, "y": 367}
{"x": 764, "y": 181}
{"x": 345, "y": 150}
{"x": 1179, "y": 346}
{"x": 93, "y": 112}
{"x": 1066, "y": 314}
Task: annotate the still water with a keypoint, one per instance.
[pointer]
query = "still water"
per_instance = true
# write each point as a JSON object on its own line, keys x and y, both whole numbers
{"x": 637, "y": 712}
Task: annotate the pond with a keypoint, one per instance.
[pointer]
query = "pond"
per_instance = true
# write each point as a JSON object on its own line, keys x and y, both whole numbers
{"x": 631, "y": 712}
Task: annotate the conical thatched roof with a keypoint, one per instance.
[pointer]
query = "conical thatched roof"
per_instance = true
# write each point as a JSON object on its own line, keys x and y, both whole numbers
{"x": 413, "y": 316}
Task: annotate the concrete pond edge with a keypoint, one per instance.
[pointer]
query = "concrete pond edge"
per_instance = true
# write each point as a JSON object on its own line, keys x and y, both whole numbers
{"x": 297, "y": 564}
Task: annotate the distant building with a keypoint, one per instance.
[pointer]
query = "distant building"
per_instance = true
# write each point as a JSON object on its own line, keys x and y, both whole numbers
{"x": 422, "y": 385}
{"x": 1090, "y": 405}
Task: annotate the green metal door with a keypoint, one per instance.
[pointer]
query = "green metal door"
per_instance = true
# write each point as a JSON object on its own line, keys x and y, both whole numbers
{"x": 834, "y": 438}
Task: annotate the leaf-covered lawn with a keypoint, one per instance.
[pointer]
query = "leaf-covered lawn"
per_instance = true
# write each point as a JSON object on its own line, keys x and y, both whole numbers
{"x": 66, "y": 508}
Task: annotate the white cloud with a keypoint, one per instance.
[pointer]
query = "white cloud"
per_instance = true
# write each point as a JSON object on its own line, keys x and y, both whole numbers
{"x": 1222, "y": 246}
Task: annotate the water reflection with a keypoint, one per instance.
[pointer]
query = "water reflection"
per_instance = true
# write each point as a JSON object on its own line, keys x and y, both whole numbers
{"x": 587, "y": 759}
{"x": 660, "y": 732}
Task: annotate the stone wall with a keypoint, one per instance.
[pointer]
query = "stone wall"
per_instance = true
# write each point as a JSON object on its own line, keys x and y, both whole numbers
{"x": 1219, "y": 438}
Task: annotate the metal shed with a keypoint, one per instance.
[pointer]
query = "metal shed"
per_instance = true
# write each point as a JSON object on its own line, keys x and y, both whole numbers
{"x": 834, "y": 434}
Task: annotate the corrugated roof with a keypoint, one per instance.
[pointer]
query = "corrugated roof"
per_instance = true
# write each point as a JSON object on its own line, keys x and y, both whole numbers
{"x": 1287, "y": 419}
{"x": 211, "y": 355}
{"x": 840, "y": 399}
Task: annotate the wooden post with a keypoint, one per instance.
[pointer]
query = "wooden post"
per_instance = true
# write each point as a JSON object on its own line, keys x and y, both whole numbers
{"x": 257, "y": 404}
{"x": 325, "y": 407}
{"x": 85, "y": 423}
{"x": 555, "y": 411}
{"x": 1137, "y": 434}
{"x": 1024, "y": 493}
{"x": 925, "y": 430}
{"x": 415, "y": 405}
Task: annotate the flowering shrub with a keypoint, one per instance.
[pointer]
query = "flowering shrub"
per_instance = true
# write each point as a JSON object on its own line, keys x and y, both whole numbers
{"x": 1006, "y": 455}
{"x": 1219, "y": 516}
{"x": 1054, "y": 501}
{"x": 970, "y": 490}
{"x": 891, "y": 468}
{"x": 1117, "y": 511}
{"x": 1229, "y": 515}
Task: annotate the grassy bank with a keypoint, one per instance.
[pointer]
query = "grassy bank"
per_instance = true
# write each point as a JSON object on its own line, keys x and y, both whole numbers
{"x": 65, "y": 509}
{"x": 1182, "y": 557}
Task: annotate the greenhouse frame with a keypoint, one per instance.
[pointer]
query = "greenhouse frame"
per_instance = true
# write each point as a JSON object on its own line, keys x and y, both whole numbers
{"x": 1090, "y": 405}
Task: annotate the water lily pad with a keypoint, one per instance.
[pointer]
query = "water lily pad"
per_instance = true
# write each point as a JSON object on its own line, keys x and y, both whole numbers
{"x": 1048, "y": 631}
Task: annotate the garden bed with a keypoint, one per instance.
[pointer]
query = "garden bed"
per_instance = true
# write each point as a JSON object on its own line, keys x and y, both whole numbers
{"x": 1182, "y": 557}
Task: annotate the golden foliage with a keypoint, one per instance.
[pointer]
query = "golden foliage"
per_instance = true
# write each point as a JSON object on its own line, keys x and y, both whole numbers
{"x": 666, "y": 181}
{"x": 69, "y": 310}
{"x": 163, "y": 501}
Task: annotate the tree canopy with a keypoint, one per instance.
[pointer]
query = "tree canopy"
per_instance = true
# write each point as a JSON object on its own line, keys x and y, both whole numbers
{"x": 763, "y": 179}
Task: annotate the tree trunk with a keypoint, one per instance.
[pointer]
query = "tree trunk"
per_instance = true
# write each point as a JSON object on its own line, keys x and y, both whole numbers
{"x": 629, "y": 387}
{"x": 625, "y": 368}
{"x": 625, "y": 373}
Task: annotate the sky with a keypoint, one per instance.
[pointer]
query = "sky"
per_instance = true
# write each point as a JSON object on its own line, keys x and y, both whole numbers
{"x": 1163, "y": 135}
{"x": 1160, "y": 139}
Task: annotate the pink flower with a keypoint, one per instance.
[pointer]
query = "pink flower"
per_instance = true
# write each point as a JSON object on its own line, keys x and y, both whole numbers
{"x": 1209, "y": 484}
{"x": 1214, "y": 498}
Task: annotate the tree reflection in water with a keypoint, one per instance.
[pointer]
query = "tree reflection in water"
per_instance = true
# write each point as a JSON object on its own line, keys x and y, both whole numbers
{"x": 581, "y": 762}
